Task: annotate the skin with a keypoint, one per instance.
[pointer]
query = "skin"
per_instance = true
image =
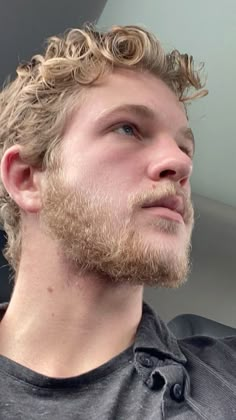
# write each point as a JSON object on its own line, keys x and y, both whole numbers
{"x": 67, "y": 314}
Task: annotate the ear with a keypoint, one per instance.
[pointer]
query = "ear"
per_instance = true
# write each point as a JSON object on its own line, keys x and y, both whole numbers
{"x": 21, "y": 180}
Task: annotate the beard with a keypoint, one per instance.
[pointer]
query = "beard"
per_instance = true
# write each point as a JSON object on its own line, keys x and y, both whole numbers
{"x": 96, "y": 238}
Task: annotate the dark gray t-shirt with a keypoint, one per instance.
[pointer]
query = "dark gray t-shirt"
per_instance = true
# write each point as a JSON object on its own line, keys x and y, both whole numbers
{"x": 157, "y": 378}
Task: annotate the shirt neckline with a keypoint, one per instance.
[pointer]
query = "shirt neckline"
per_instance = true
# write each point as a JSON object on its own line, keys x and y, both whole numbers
{"x": 153, "y": 337}
{"x": 28, "y": 376}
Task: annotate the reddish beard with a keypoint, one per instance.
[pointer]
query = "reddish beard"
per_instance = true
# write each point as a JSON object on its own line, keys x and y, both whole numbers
{"x": 94, "y": 239}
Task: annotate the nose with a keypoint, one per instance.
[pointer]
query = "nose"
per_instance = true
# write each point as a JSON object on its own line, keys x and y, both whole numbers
{"x": 168, "y": 161}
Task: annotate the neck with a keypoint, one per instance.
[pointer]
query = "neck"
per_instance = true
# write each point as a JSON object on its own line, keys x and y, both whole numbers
{"x": 63, "y": 328}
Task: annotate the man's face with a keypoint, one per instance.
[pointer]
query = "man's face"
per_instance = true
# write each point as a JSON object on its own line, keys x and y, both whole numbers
{"x": 120, "y": 204}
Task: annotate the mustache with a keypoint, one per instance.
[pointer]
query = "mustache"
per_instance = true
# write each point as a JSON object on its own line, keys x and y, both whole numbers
{"x": 162, "y": 192}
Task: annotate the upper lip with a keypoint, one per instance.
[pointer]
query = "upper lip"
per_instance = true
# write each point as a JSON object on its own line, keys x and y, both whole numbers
{"x": 173, "y": 202}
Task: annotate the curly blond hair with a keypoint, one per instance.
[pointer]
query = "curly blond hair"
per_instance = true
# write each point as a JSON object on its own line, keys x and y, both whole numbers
{"x": 35, "y": 106}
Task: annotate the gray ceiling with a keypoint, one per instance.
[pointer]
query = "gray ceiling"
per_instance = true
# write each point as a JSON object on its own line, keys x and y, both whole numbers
{"x": 25, "y": 24}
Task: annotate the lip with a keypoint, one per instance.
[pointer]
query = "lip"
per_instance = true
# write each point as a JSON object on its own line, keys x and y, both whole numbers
{"x": 171, "y": 207}
{"x": 166, "y": 213}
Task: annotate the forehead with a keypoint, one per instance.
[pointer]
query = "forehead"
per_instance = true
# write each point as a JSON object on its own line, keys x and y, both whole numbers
{"x": 128, "y": 86}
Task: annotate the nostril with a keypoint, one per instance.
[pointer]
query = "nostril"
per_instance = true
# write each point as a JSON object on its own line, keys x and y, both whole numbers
{"x": 167, "y": 173}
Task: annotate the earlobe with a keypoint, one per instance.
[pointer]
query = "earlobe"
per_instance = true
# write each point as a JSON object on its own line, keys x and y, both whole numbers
{"x": 21, "y": 180}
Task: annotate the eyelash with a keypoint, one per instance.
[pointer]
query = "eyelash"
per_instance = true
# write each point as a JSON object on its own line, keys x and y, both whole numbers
{"x": 187, "y": 151}
{"x": 137, "y": 131}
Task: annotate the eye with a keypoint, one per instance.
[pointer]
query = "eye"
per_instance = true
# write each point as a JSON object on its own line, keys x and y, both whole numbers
{"x": 187, "y": 150}
{"x": 127, "y": 129}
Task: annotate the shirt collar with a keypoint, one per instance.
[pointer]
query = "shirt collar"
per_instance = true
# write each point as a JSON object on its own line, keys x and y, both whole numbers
{"x": 154, "y": 337}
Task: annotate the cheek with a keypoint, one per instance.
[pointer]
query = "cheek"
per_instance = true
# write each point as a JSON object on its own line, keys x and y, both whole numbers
{"x": 121, "y": 178}
{"x": 112, "y": 171}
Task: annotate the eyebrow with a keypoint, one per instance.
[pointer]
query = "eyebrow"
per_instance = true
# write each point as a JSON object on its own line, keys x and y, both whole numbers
{"x": 142, "y": 111}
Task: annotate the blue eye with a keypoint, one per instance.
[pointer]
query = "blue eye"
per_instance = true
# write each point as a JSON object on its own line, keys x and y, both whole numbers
{"x": 126, "y": 129}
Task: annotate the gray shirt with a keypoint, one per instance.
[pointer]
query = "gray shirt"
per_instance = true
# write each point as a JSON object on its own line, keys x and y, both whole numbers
{"x": 159, "y": 377}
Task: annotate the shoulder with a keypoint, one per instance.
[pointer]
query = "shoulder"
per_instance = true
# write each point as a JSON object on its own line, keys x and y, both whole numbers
{"x": 203, "y": 346}
{"x": 215, "y": 355}
{"x": 187, "y": 325}
{"x": 199, "y": 344}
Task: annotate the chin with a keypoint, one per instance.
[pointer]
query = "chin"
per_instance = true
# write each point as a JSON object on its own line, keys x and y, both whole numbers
{"x": 176, "y": 238}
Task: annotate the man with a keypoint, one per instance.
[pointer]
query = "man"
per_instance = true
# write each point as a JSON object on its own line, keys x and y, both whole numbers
{"x": 96, "y": 158}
